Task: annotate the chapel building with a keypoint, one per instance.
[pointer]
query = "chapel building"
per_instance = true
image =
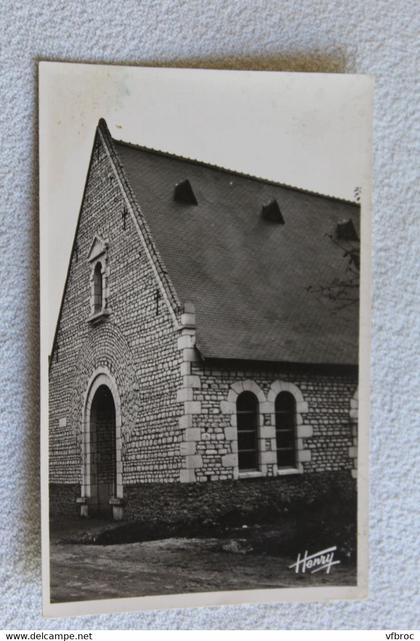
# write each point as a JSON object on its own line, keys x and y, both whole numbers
{"x": 195, "y": 345}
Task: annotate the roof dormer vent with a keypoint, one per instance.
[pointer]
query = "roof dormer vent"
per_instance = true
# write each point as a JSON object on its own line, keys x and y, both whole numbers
{"x": 345, "y": 230}
{"x": 272, "y": 213}
{"x": 183, "y": 193}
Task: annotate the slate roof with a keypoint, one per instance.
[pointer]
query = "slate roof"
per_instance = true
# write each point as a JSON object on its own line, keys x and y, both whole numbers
{"x": 247, "y": 276}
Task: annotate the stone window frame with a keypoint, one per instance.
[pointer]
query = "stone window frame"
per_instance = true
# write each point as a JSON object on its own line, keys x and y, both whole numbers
{"x": 303, "y": 430}
{"x": 98, "y": 255}
{"x": 101, "y": 376}
{"x": 229, "y": 407}
{"x": 354, "y": 422}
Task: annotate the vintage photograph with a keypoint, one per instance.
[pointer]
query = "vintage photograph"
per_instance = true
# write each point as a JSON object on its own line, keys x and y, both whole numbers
{"x": 201, "y": 302}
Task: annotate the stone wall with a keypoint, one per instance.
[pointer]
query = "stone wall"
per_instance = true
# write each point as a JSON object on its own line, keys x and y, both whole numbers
{"x": 325, "y": 430}
{"x": 134, "y": 339}
{"x": 63, "y": 500}
{"x": 246, "y": 499}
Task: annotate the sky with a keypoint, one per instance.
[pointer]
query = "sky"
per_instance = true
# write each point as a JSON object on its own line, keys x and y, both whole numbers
{"x": 307, "y": 130}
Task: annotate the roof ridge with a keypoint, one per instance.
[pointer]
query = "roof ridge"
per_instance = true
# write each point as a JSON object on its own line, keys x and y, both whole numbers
{"x": 202, "y": 163}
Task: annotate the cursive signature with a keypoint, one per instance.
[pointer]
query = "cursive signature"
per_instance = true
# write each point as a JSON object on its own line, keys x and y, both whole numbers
{"x": 322, "y": 560}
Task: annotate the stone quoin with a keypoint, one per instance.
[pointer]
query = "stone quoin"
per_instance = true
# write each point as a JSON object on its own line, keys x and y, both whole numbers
{"x": 190, "y": 349}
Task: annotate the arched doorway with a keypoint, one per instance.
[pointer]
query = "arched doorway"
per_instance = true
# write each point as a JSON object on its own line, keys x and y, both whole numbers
{"x": 102, "y": 487}
{"x": 102, "y": 451}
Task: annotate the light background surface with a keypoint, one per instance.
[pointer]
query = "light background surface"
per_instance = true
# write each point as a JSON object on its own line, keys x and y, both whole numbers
{"x": 375, "y": 37}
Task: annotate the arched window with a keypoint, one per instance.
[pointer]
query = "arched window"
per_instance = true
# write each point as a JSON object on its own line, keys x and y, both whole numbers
{"x": 97, "y": 288}
{"x": 285, "y": 408}
{"x": 247, "y": 424}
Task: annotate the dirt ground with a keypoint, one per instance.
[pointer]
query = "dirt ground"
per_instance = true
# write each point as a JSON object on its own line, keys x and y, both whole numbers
{"x": 174, "y": 565}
